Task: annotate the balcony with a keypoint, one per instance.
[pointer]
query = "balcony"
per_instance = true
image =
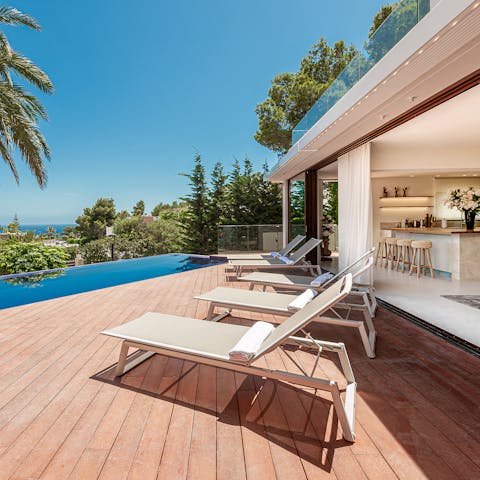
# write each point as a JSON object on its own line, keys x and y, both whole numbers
{"x": 401, "y": 21}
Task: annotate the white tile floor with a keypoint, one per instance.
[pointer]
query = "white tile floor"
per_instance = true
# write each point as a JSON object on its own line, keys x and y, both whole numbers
{"x": 422, "y": 297}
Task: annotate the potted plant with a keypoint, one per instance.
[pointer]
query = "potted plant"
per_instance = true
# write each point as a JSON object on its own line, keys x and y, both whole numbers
{"x": 467, "y": 201}
{"x": 328, "y": 225}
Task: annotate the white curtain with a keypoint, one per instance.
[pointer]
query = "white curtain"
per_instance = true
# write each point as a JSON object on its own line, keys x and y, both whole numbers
{"x": 354, "y": 207}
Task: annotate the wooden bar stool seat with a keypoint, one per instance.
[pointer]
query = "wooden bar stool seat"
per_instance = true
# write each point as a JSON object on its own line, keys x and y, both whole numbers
{"x": 421, "y": 259}
{"x": 404, "y": 253}
{"x": 381, "y": 251}
{"x": 391, "y": 252}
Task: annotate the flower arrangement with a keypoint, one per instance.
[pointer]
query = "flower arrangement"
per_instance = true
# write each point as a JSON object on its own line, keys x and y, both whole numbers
{"x": 467, "y": 201}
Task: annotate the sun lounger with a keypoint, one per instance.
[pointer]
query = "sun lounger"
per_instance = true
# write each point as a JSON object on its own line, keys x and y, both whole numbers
{"x": 210, "y": 343}
{"x": 295, "y": 261}
{"x": 301, "y": 282}
{"x": 285, "y": 251}
{"x": 281, "y": 304}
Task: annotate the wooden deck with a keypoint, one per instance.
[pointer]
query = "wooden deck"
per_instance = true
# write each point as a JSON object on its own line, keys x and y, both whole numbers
{"x": 417, "y": 404}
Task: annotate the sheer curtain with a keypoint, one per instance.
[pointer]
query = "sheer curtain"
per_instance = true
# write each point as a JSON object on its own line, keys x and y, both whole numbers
{"x": 354, "y": 207}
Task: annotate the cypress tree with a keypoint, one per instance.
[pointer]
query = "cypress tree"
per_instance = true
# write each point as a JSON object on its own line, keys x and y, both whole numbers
{"x": 195, "y": 219}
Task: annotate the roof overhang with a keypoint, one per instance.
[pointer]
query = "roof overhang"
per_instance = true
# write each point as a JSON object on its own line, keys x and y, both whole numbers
{"x": 441, "y": 50}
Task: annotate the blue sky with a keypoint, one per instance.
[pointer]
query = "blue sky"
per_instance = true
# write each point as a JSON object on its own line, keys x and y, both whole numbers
{"x": 140, "y": 86}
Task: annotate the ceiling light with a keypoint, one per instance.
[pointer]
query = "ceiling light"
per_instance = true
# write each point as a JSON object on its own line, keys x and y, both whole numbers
{"x": 464, "y": 174}
{"x": 436, "y": 38}
{"x": 454, "y": 23}
{"x": 407, "y": 62}
{"x": 420, "y": 51}
{"x": 384, "y": 82}
{"x": 375, "y": 89}
{"x": 395, "y": 72}
{"x": 476, "y": 5}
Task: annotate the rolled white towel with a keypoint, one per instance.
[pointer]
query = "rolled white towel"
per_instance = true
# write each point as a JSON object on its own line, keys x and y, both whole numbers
{"x": 274, "y": 254}
{"x": 321, "y": 279}
{"x": 246, "y": 348}
{"x": 299, "y": 302}
{"x": 286, "y": 260}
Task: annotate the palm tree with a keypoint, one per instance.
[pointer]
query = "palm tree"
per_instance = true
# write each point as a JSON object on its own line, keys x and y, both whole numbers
{"x": 19, "y": 110}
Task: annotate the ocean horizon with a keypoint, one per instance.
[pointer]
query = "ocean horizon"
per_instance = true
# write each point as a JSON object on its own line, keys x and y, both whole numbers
{"x": 40, "y": 228}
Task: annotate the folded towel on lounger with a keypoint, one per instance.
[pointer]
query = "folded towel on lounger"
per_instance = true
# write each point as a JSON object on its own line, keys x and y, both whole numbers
{"x": 306, "y": 297}
{"x": 321, "y": 279}
{"x": 286, "y": 260}
{"x": 248, "y": 345}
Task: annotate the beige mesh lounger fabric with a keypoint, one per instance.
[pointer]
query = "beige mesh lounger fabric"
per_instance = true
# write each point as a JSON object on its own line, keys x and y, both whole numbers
{"x": 302, "y": 282}
{"x": 267, "y": 256}
{"x": 297, "y": 259}
{"x": 278, "y": 303}
{"x": 209, "y": 343}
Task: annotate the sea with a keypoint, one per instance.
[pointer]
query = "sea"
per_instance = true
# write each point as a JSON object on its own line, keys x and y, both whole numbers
{"x": 42, "y": 228}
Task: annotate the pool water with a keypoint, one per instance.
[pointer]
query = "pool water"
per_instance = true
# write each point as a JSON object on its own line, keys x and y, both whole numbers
{"x": 35, "y": 287}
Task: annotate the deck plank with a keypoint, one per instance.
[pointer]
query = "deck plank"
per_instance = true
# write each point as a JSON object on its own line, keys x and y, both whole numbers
{"x": 416, "y": 411}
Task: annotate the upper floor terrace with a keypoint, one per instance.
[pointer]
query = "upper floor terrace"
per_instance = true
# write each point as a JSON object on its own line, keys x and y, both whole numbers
{"x": 422, "y": 49}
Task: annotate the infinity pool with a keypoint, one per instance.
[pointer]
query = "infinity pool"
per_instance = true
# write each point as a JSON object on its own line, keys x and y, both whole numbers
{"x": 35, "y": 287}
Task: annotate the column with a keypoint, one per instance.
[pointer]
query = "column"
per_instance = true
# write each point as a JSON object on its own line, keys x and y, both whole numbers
{"x": 311, "y": 211}
{"x": 285, "y": 212}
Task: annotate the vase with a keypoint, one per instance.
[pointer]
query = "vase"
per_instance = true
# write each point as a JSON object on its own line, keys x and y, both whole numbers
{"x": 470, "y": 219}
{"x": 326, "y": 252}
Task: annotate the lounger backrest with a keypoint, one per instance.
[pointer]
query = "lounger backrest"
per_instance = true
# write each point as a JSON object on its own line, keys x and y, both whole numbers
{"x": 291, "y": 245}
{"x": 303, "y": 317}
{"x": 356, "y": 268}
{"x": 307, "y": 247}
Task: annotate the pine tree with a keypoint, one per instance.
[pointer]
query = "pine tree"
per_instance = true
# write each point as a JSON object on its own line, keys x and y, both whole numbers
{"x": 217, "y": 211}
{"x": 196, "y": 230}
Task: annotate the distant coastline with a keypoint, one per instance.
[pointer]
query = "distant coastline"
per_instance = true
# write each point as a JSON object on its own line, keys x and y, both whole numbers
{"x": 42, "y": 227}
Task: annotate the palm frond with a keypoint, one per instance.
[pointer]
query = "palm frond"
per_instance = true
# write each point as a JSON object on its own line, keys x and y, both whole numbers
{"x": 12, "y": 16}
{"x": 30, "y": 72}
{"x": 19, "y": 113}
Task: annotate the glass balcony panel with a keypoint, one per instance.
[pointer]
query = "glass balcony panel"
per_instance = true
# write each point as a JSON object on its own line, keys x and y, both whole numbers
{"x": 393, "y": 29}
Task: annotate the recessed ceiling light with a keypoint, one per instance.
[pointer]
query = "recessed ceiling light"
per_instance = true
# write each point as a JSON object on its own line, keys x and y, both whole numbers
{"x": 454, "y": 23}
{"x": 420, "y": 51}
{"x": 436, "y": 38}
{"x": 375, "y": 89}
{"x": 384, "y": 82}
{"x": 476, "y": 5}
{"x": 395, "y": 72}
{"x": 407, "y": 62}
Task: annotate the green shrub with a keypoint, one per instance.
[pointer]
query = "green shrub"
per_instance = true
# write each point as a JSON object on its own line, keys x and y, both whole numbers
{"x": 30, "y": 257}
{"x": 96, "y": 251}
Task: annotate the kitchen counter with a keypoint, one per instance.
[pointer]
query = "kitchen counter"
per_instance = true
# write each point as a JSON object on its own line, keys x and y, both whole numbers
{"x": 454, "y": 250}
{"x": 435, "y": 230}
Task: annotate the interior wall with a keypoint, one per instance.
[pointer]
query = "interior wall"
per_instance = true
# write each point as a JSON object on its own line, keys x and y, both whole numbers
{"x": 418, "y": 186}
{"x": 448, "y": 158}
{"x": 442, "y": 186}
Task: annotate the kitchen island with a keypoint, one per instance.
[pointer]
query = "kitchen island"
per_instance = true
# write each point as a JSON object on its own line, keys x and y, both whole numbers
{"x": 454, "y": 250}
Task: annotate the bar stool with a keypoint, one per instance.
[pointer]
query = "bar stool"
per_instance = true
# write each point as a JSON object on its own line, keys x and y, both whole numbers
{"x": 404, "y": 252}
{"x": 391, "y": 252}
{"x": 421, "y": 257}
{"x": 381, "y": 251}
